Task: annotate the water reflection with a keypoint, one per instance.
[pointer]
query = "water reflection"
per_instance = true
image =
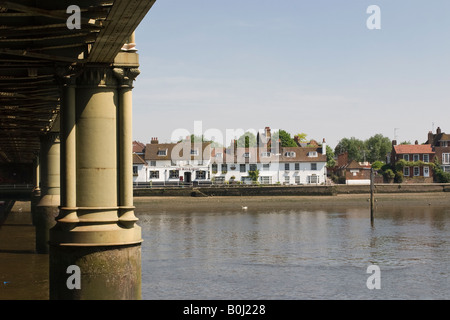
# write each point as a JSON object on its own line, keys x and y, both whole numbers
{"x": 294, "y": 253}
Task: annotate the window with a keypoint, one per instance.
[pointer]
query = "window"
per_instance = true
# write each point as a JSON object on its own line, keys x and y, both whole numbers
{"x": 174, "y": 174}
{"x": 297, "y": 179}
{"x": 406, "y": 157}
{"x": 446, "y": 158}
{"x": 214, "y": 168}
{"x": 426, "y": 158}
{"x": 219, "y": 155}
{"x": 444, "y": 143}
{"x": 406, "y": 171}
{"x": 253, "y": 167}
{"x": 135, "y": 170}
{"x": 313, "y": 179}
{"x": 426, "y": 171}
{"x": 297, "y": 166}
{"x": 266, "y": 166}
{"x": 152, "y": 163}
{"x": 313, "y": 166}
{"x": 416, "y": 157}
{"x": 265, "y": 154}
{"x": 200, "y": 175}
{"x": 312, "y": 154}
{"x": 416, "y": 171}
{"x": 287, "y": 179}
{"x": 154, "y": 174}
{"x": 242, "y": 168}
{"x": 286, "y": 167}
{"x": 247, "y": 155}
{"x": 289, "y": 154}
{"x": 224, "y": 168}
{"x": 266, "y": 180}
{"x": 162, "y": 152}
{"x": 194, "y": 152}
{"x": 446, "y": 168}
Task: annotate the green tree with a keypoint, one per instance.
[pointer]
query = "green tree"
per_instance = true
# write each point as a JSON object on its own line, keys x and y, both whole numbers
{"x": 302, "y": 137}
{"x": 377, "y": 148}
{"x": 330, "y": 157}
{"x": 356, "y": 148}
{"x": 247, "y": 140}
{"x": 285, "y": 138}
{"x": 254, "y": 175}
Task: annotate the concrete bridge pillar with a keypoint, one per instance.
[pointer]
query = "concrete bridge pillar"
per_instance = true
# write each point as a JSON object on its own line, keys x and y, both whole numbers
{"x": 36, "y": 193}
{"x": 48, "y": 207}
{"x": 96, "y": 229}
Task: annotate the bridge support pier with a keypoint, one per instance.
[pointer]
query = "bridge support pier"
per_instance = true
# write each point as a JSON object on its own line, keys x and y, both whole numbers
{"x": 96, "y": 229}
{"x": 47, "y": 208}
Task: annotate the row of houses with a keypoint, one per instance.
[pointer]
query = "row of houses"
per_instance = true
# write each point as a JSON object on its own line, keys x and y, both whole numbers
{"x": 191, "y": 162}
{"x": 418, "y": 161}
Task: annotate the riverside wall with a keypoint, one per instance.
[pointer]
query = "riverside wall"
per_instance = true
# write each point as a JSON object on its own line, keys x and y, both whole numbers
{"x": 328, "y": 190}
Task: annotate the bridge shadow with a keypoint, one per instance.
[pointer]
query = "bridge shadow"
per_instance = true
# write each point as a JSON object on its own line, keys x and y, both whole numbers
{"x": 17, "y": 233}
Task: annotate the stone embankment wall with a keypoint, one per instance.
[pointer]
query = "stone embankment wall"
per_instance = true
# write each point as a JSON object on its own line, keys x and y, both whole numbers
{"x": 291, "y": 190}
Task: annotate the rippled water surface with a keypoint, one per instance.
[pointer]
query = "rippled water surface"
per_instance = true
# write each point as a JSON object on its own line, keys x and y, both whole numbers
{"x": 273, "y": 250}
{"x": 294, "y": 253}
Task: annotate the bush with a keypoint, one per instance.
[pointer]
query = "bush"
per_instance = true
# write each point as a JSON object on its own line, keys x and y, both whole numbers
{"x": 399, "y": 177}
{"x": 389, "y": 174}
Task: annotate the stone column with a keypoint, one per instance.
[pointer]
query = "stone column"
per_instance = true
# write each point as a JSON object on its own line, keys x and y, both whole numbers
{"x": 36, "y": 193}
{"x": 48, "y": 207}
{"x": 96, "y": 230}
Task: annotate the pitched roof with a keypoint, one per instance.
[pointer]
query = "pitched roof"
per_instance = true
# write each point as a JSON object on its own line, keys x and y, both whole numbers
{"x": 138, "y": 147}
{"x": 174, "y": 151}
{"x": 137, "y": 159}
{"x": 413, "y": 148}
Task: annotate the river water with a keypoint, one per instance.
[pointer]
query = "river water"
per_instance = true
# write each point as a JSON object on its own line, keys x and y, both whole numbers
{"x": 279, "y": 249}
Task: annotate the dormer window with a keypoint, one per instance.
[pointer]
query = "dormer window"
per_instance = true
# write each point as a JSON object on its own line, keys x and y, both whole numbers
{"x": 265, "y": 154}
{"x": 162, "y": 152}
{"x": 312, "y": 154}
{"x": 219, "y": 155}
{"x": 247, "y": 155}
{"x": 194, "y": 152}
{"x": 289, "y": 154}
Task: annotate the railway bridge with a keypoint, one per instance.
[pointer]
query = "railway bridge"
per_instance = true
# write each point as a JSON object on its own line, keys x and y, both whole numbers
{"x": 67, "y": 69}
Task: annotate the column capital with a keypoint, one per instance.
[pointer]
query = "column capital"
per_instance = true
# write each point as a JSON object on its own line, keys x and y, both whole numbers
{"x": 125, "y": 76}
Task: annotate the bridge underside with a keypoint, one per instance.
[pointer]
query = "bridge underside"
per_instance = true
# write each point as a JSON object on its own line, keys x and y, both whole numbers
{"x": 37, "y": 49}
{"x": 65, "y": 108}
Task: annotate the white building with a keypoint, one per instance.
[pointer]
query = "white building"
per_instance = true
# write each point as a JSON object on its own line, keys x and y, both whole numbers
{"x": 186, "y": 162}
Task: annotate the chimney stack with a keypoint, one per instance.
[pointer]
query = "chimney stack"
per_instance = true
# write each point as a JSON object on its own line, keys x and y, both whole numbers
{"x": 394, "y": 142}
{"x": 438, "y": 130}
{"x": 416, "y": 142}
{"x": 324, "y": 147}
{"x": 154, "y": 141}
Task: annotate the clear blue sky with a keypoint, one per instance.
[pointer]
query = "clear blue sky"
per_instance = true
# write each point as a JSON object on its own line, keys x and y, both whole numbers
{"x": 302, "y": 66}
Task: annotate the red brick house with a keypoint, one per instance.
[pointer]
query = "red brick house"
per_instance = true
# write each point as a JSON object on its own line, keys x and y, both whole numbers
{"x": 417, "y": 156}
{"x": 440, "y": 143}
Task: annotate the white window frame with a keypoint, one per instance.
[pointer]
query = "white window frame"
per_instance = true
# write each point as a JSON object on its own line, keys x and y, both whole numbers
{"x": 297, "y": 166}
{"x": 418, "y": 171}
{"x": 446, "y": 158}
{"x": 426, "y": 158}
{"x": 154, "y": 174}
{"x": 266, "y": 180}
{"x": 162, "y": 153}
{"x": 265, "y": 154}
{"x": 406, "y": 157}
{"x": 266, "y": 166}
{"x": 312, "y": 154}
{"x": 416, "y": 157}
{"x": 406, "y": 171}
{"x": 287, "y": 167}
{"x": 313, "y": 166}
{"x": 246, "y": 154}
